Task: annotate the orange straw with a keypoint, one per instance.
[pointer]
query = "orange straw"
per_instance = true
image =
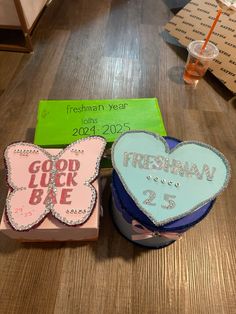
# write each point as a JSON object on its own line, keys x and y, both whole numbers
{"x": 211, "y": 29}
{"x": 209, "y": 34}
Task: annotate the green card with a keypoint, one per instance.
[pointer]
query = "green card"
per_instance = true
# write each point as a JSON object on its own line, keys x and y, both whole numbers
{"x": 61, "y": 122}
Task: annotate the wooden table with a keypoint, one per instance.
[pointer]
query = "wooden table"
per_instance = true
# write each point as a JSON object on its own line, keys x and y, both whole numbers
{"x": 107, "y": 49}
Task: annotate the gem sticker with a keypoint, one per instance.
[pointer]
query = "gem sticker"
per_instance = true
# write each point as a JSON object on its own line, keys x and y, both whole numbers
{"x": 168, "y": 184}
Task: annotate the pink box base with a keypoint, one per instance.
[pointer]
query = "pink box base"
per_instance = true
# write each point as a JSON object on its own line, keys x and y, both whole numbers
{"x": 53, "y": 230}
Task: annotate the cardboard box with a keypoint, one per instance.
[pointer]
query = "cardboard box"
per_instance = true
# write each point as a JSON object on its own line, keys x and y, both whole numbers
{"x": 193, "y": 22}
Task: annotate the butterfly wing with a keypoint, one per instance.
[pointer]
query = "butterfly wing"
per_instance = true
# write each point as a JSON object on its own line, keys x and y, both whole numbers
{"x": 23, "y": 208}
{"x": 76, "y": 196}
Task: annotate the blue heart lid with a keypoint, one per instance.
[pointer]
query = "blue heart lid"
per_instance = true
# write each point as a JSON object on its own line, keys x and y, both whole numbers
{"x": 127, "y": 203}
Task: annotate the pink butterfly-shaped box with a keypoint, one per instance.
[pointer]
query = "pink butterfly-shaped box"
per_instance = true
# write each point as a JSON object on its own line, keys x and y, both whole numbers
{"x": 54, "y": 194}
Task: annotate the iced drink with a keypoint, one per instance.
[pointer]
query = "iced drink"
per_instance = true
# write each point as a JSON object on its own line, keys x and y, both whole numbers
{"x": 198, "y": 60}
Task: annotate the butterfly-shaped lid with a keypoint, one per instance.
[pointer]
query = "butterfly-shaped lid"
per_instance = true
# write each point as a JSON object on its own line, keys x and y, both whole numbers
{"x": 61, "y": 184}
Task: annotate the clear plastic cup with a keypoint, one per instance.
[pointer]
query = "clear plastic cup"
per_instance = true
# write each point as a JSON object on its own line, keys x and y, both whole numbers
{"x": 228, "y": 6}
{"x": 198, "y": 61}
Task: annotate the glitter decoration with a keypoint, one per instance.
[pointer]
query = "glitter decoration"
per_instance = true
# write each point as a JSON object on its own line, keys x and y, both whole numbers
{"x": 58, "y": 194}
{"x": 178, "y": 167}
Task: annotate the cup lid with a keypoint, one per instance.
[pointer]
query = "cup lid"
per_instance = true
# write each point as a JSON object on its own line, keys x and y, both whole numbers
{"x": 209, "y": 53}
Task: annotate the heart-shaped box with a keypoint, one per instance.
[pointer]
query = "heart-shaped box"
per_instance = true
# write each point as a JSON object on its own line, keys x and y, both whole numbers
{"x": 135, "y": 212}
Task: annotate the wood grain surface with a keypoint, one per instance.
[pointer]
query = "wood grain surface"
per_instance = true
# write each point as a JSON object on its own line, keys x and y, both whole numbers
{"x": 106, "y": 49}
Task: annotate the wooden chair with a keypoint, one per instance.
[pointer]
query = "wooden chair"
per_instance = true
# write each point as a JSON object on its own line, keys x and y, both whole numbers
{"x": 17, "y": 22}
